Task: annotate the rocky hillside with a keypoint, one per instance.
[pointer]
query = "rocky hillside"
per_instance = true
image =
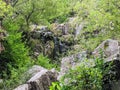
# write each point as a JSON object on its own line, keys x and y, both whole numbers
{"x": 59, "y": 45}
{"x": 41, "y": 78}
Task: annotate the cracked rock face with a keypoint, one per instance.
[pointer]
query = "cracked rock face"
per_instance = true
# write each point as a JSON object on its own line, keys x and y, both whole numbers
{"x": 110, "y": 49}
{"x": 41, "y": 80}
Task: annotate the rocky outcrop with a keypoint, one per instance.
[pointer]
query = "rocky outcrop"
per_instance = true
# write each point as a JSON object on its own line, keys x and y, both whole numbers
{"x": 70, "y": 62}
{"x": 41, "y": 79}
{"x": 56, "y": 40}
{"x": 111, "y": 52}
{"x": 109, "y": 48}
{"x": 41, "y": 41}
{"x": 47, "y": 42}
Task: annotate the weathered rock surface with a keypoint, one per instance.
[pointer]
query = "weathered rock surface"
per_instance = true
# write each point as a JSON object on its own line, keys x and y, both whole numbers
{"x": 78, "y": 29}
{"x": 110, "y": 49}
{"x": 41, "y": 80}
{"x": 50, "y": 42}
{"x": 70, "y": 62}
{"x": 23, "y": 87}
{"x": 111, "y": 52}
{"x": 34, "y": 70}
{"x": 43, "y": 39}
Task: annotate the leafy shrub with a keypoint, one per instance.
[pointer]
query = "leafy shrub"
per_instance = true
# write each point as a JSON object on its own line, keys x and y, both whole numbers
{"x": 44, "y": 62}
{"x": 55, "y": 86}
{"x": 88, "y": 75}
{"x": 85, "y": 77}
{"x": 15, "y": 59}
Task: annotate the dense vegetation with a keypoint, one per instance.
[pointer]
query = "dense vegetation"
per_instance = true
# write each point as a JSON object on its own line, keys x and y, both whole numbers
{"x": 88, "y": 75}
{"x": 100, "y": 17}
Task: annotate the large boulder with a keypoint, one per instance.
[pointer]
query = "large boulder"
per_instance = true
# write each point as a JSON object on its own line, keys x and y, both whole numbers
{"x": 41, "y": 79}
{"x": 110, "y": 49}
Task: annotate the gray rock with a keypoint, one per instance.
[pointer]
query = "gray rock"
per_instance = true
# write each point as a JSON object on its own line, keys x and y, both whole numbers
{"x": 34, "y": 70}
{"x": 110, "y": 49}
{"x": 23, "y": 87}
{"x": 41, "y": 79}
{"x": 113, "y": 57}
{"x": 71, "y": 62}
{"x": 78, "y": 29}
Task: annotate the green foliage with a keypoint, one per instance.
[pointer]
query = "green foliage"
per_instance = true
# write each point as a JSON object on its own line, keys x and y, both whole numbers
{"x": 55, "y": 86}
{"x": 101, "y": 16}
{"x": 4, "y": 9}
{"x": 88, "y": 75}
{"x": 85, "y": 76}
{"x": 18, "y": 76}
{"x": 44, "y": 62}
{"x": 14, "y": 46}
{"x": 14, "y": 60}
{"x": 40, "y": 11}
{"x": 58, "y": 86}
